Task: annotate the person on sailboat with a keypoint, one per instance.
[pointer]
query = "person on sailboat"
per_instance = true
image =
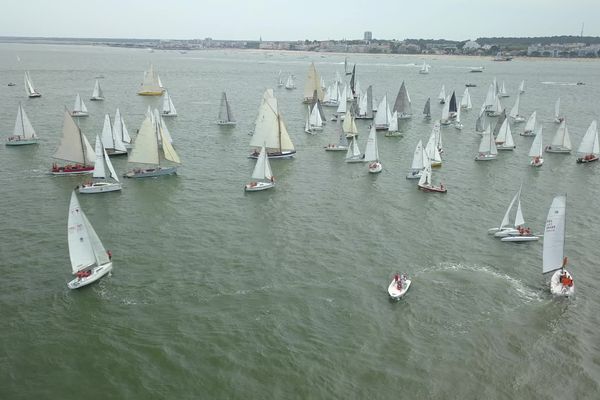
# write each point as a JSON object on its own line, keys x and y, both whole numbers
{"x": 109, "y": 254}
{"x": 565, "y": 279}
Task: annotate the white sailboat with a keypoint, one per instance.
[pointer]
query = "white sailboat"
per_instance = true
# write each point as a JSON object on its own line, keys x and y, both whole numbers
{"x": 100, "y": 183}
{"x": 315, "y": 120}
{"x": 342, "y": 144}
{"x": 168, "y": 108}
{"x": 341, "y": 108}
{"x": 418, "y": 162}
{"x": 505, "y": 225}
{"x": 537, "y": 149}
{"x": 313, "y": 83}
{"x": 349, "y": 125}
{"x": 147, "y": 151}
{"x": 516, "y": 232}
{"x": 151, "y": 85}
{"x": 384, "y": 116}
{"x": 31, "y": 91}
{"x": 487, "y": 147}
{"x": 457, "y": 124}
{"x": 262, "y": 173}
{"x": 496, "y": 109}
{"x": 557, "y": 117}
{"x": 424, "y": 68}
{"x": 353, "y": 155}
{"x": 225, "y": 114}
{"x": 23, "y": 132}
{"x": 425, "y": 184}
{"x": 561, "y": 143}
{"x": 530, "y": 125}
{"x": 365, "y": 104}
{"x": 332, "y": 96}
{"x": 589, "y": 150}
{"x": 79, "y": 108}
{"x": 393, "y": 130}
{"x": 372, "y": 152}
{"x": 433, "y": 146}
{"x": 503, "y": 92}
{"x": 89, "y": 259}
{"x": 514, "y": 111}
{"x": 465, "y": 101}
{"x": 490, "y": 97}
{"x": 112, "y": 143}
{"x": 446, "y": 119}
{"x": 504, "y": 140}
{"x": 522, "y": 87}
{"x": 442, "y": 95}
{"x": 97, "y": 94}
{"x": 120, "y": 131}
{"x": 270, "y": 130}
{"x": 554, "y": 260}
{"x": 74, "y": 147}
{"x": 427, "y": 109}
{"x": 290, "y": 83}
{"x": 280, "y": 80}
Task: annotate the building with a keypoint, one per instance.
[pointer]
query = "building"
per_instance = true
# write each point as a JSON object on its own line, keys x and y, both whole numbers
{"x": 368, "y": 36}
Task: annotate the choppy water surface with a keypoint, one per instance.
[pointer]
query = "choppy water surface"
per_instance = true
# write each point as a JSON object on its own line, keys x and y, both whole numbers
{"x": 282, "y": 294}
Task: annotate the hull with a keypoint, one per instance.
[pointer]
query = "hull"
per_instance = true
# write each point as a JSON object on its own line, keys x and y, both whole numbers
{"x": 168, "y": 114}
{"x": 587, "y": 159}
{"x": 356, "y": 159}
{"x": 335, "y": 147}
{"x": 432, "y": 189}
{"x": 395, "y": 293}
{"x": 79, "y": 114}
{"x": 258, "y": 186}
{"x": 436, "y": 164}
{"x": 34, "y": 95}
{"x": 537, "y": 163}
{"x": 97, "y": 273}
{"x": 275, "y": 155}
{"x": 557, "y": 288}
{"x": 506, "y": 148}
{"x": 414, "y": 174}
{"x": 157, "y": 93}
{"x": 505, "y": 232}
{"x": 72, "y": 170}
{"x": 96, "y": 98}
{"x": 381, "y": 127}
{"x": 150, "y": 172}
{"x": 557, "y": 149}
{"x": 518, "y": 119}
{"x": 485, "y": 157}
{"x": 375, "y": 167}
{"x": 519, "y": 238}
{"x": 226, "y": 123}
{"x": 11, "y": 141}
{"x": 115, "y": 153}
{"x": 99, "y": 187}
{"x": 528, "y": 133}
{"x": 393, "y": 134}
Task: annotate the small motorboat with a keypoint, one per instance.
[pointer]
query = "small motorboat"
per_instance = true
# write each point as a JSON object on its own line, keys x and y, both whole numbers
{"x": 470, "y": 85}
{"x": 399, "y": 286}
{"x": 11, "y": 84}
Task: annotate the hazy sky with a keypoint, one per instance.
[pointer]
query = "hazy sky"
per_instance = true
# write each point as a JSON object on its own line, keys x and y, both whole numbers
{"x": 302, "y": 19}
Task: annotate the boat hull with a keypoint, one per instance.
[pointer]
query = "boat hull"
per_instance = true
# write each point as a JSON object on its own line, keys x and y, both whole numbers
{"x": 334, "y": 147}
{"x": 157, "y": 93}
{"x": 20, "y": 142}
{"x": 486, "y": 157}
{"x": 100, "y": 187}
{"x": 356, "y": 159}
{"x": 226, "y": 123}
{"x": 557, "y": 149}
{"x": 79, "y": 114}
{"x": 151, "y": 172}
{"x": 258, "y": 186}
{"x": 530, "y": 238}
{"x": 584, "y": 160}
{"x": 432, "y": 189}
{"x": 393, "y": 134}
{"x": 168, "y": 114}
{"x": 61, "y": 171}
{"x": 414, "y": 174}
{"x": 375, "y": 167}
{"x": 537, "y": 163}
{"x": 115, "y": 153}
{"x": 398, "y": 294}
{"x": 96, "y": 98}
{"x": 275, "y": 155}
{"x": 34, "y": 95}
{"x": 557, "y": 288}
{"x": 97, "y": 273}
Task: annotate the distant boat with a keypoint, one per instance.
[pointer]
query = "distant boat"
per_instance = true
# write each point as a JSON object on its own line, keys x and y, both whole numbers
{"x": 561, "y": 143}
{"x": 331, "y": 97}
{"x": 442, "y": 95}
{"x": 349, "y": 125}
{"x": 270, "y": 130}
{"x": 342, "y": 144}
{"x": 500, "y": 57}
{"x": 589, "y": 150}
{"x": 74, "y": 147}
{"x": 346, "y": 67}
{"x": 168, "y": 108}
{"x": 425, "y": 183}
{"x": 365, "y": 104}
{"x": 97, "y": 94}
{"x": 496, "y": 109}
{"x": 100, "y": 183}
{"x": 457, "y": 124}
{"x": 476, "y": 69}
{"x": 372, "y": 152}
{"x": 280, "y": 80}
{"x": 148, "y": 152}
{"x": 353, "y": 154}
{"x": 31, "y": 92}
{"x": 516, "y": 232}
{"x": 470, "y": 85}
{"x": 504, "y": 140}
{"x": 557, "y": 117}
{"x": 503, "y": 92}
{"x": 537, "y": 149}
{"x": 424, "y": 68}
{"x": 402, "y": 105}
{"x": 522, "y": 87}
{"x": 384, "y": 116}
{"x": 553, "y": 257}
{"x": 89, "y": 259}
{"x": 399, "y": 286}
{"x": 427, "y": 109}
{"x": 290, "y": 83}
{"x": 314, "y": 121}
{"x": 225, "y": 114}
{"x": 514, "y": 111}
{"x": 418, "y": 163}
{"x": 487, "y": 147}
{"x": 445, "y": 118}
{"x": 433, "y": 148}
{"x": 23, "y": 132}
{"x": 393, "y": 130}
{"x": 262, "y": 173}
{"x": 530, "y": 125}
{"x": 313, "y": 83}
{"x": 151, "y": 85}
{"x": 111, "y": 140}
{"x": 11, "y": 84}
{"x": 465, "y": 101}
{"x": 79, "y": 108}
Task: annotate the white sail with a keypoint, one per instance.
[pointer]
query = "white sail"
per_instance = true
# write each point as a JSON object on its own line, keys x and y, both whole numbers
{"x": 487, "y": 144}
{"x": 425, "y": 179}
{"x": 465, "y": 101}
{"x": 341, "y": 109}
{"x": 393, "y": 126}
{"x": 85, "y": 247}
{"x": 120, "y": 132}
{"x": 99, "y": 170}
{"x": 349, "y": 125}
{"x": 262, "y": 169}
{"x": 225, "y": 114}
{"x": 29, "y": 84}
{"x": 557, "y": 108}
{"x": 514, "y": 111}
{"x": 107, "y": 134}
{"x": 417, "y": 162}
{"x": 431, "y": 149}
{"x": 589, "y": 143}
{"x": 490, "y": 97}
{"x": 315, "y": 119}
{"x": 537, "y": 147}
{"x": 446, "y": 111}
{"x": 372, "y": 151}
{"x": 402, "y": 105}
{"x": 146, "y": 145}
{"x": 313, "y": 82}
{"x": 168, "y": 106}
{"x": 522, "y": 87}
{"x": 167, "y": 147}
{"x": 79, "y": 106}
{"x": 97, "y": 93}
{"x": 23, "y": 127}
{"x": 111, "y": 169}
{"x": 457, "y": 117}
{"x": 505, "y": 135}
{"x": 531, "y": 122}
{"x": 151, "y": 83}
{"x": 74, "y": 146}
{"x": 353, "y": 150}
{"x": 383, "y": 116}
{"x": 442, "y": 95}
{"x": 506, "y": 219}
{"x": 519, "y": 220}
{"x": 561, "y": 138}
{"x": 554, "y": 235}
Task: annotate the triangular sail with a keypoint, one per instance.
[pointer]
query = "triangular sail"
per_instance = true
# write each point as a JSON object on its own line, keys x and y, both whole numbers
{"x": 506, "y": 219}
{"x": 168, "y": 106}
{"x": 349, "y": 125}
{"x": 589, "y": 143}
{"x": 427, "y": 108}
{"x": 99, "y": 171}
{"x": 554, "y": 235}
{"x": 97, "y": 93}
{"x": 383, "y": 116}
{"x": 74, "y": 146}
{"x": 262, "y": 169}
{"x": 393, "y": 126}
{"x": 562, "y": 138}
{"x": 341, "y": 108}
{"x": 402, "y": 104}
{"x": 29, "y": 84}
{"x": 85, "y": 247}
{"x": 442, "y": 95}
{"x": 107, "y": 134}
{"x": 417, "y": 162}
{"x": 519, "y": 220}
{"x": 79, "y": 105}
{"x": 120, "y": 132}
{"x": 531, "y": 122}
{"x": 313, "y": 82}
{"x": 372, "y": 151}
{"x": 23, "y": 127}
{"x": 151, "y": 82}
{"x": 557, "y": 108}
{"x": 146, "y": 145}
{"x": 537, "y": 147}
{"x": 425, "y": 179}
{"x": 514, "y": 111}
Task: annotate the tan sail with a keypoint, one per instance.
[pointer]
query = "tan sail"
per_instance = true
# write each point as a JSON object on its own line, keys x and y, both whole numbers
{"x": 313, "y": 83}
{"x": 74, "y": 146}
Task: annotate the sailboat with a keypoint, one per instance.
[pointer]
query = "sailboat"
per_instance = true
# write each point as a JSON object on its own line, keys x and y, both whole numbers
{"x": 372, "y": 152}
{"x": 270, "y": 130}
{"x": 342, "y": 144}
{"x": 482, "y": 121}
{"x": 446, "y": 119}
{"x": 290, "y": 83}
{"x": 457, "y": 124}
{"x": 79, "y": 108}
{"x": 147, "y": 151}
{"x": 589, "y": 150}
{"x": 97, "y": 94}
{"x": 496, "y": 109}
{"x": 537, "y": 149}
{"x": 490, "y": 97}
{"x": 383, "y": 117}
{"x": 427, "y": 109}
{"x": 425, "y": 182}
{"x": 557, "y": 118}
{"x": 530, "y": 125}
{"x": 561, "y": 143}
{"x": 151, "y": 85}
{"x": 314, "y": 122}
{"x": 225, "y": 114}
{"x": 113, "y": 143}
{"x": 168, "y": 108}
{"x": 502, "y": 92}
{"x": 553, "y": 257}
{"x": 262, "y": 173}
{"x": 402, "y": 105}
{"x": 522, "y": 87}
{"x": 89, "y": 259}
{"x": 73, "y": 147}
{"x": 23, "y": 133}
{"x": 100, "y": 184}
{"x": 424, "y": 68}
{"x": 342, "y": 105}
{"x": 31, "y": 92}
{"x": 433, "y": 146}
{"x": 453, "y": 107}
{"x": 331, "y": 97}
{"x": 353, "y": 155}
{"x": 514, "y": 111}
{"x": 442, "y": 95}
{"x": 418, "y": 162}
{"x": 120, "y": 131}
{"x": 487, "y": 147}
{"x": 346, "y": 67}
{"x": 515, "y": 232}
{"x": 504, "y": 140}
{"x": 366, "y": 105}
{"x": 349, "y": 125}
{"x": 313, "y": 82}
{"x": 392, "y": 130}
{"x": 465, "y": 101}
{"x": 280, "y": 80}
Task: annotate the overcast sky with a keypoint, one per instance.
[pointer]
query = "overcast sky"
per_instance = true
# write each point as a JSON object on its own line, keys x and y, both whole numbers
{"x": 298, "y": 20}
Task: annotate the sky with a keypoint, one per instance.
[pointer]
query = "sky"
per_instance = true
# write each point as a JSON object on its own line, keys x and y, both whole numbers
{"x": 298, "y": 20}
